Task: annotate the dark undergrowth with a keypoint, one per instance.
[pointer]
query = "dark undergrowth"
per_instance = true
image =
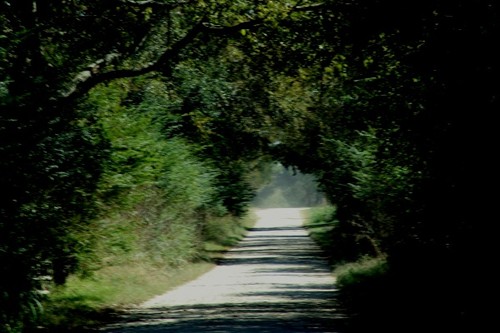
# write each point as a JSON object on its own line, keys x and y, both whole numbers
{"x": 382, "y": 294}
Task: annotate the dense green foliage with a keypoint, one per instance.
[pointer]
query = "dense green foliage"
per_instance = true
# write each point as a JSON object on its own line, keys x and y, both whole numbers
{"x": 157, "y": 187}
{"x": 402, "y": 129}
{"x": 156, "y": 115}
{"x": 78, "y": 168}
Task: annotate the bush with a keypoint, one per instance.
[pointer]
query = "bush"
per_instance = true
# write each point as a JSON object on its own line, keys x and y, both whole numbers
{"x": 158, "y": 203}
{"x": 365, "y": 271}
{"x": 337, "y": 238}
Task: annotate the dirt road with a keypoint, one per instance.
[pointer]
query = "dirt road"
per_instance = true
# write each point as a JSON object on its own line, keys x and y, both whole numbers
{"x": 275, "y": 280}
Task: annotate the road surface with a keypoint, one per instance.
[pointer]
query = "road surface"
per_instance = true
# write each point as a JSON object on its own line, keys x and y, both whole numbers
{"x": 275, "y": 280}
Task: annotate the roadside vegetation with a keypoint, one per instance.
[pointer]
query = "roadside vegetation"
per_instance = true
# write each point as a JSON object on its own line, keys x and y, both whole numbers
{"x": 375, "y": 293}
{"x": 127, "y": 128}
{"x": 91, "y": 300}
{"x": 159, "y": 221}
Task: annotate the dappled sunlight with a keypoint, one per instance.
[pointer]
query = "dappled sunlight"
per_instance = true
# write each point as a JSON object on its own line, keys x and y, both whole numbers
{"x": 275, "y": 280}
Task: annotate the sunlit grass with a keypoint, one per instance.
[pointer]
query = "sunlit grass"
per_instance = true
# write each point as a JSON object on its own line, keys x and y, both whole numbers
{"x": 128, "y": 284}
{"x": 88, "y": 300}
{"x": 320, "y": 222}
{"x": 361, "y": 271}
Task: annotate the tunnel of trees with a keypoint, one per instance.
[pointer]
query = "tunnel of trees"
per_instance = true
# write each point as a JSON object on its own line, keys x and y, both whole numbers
{"x": 160, "y": 111}
{"x": 286, "y": 188}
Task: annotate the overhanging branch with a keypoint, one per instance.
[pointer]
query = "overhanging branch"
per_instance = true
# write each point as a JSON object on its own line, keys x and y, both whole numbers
{"x": 94, "y": 74}
{"x": 227, "y": 30}
{"x": 156, "y": 3}
{"x": 305, "y": 8}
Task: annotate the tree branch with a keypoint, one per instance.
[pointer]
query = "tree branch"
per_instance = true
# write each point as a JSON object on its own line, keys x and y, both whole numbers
{"x": 306, "y": 8}
{"x": 94, "y": 75}
{"x": 155, "y": 3}
{"x": 223, "y": 30}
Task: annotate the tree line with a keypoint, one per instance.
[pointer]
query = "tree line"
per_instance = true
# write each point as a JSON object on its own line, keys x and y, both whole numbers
{"x": 389, "y": 104}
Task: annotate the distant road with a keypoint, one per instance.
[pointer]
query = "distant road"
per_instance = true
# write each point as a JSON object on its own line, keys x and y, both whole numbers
{"x": 274, "y": 281}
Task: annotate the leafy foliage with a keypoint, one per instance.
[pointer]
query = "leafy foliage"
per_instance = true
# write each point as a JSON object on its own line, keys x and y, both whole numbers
{"x": 396, "y": 146}
{"x": 393, "y": 116}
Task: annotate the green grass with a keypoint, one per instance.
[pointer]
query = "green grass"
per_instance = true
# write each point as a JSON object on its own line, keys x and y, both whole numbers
{"x": 323, "y": 228}
{"x": 365, "y": 291}
{"x": 87, "y": 301}
{"x": 320, "y": 221}
{"x": 359, "y": 272}
{"x": 321, "y": 224}
{"x": 222, "y": 234}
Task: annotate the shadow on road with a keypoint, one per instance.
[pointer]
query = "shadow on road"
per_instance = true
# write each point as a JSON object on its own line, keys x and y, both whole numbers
{"x": 299, "y": 316}
{"x": 276, "y": 280}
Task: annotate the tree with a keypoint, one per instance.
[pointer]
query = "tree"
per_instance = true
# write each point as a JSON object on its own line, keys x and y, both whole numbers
{"x": 51, "y": 55}
{"x": 379, "y": 109}
{"x": 396, "y": 144}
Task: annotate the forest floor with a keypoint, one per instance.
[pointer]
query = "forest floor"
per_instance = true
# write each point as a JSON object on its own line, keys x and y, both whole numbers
{"x": 275, "y": 280}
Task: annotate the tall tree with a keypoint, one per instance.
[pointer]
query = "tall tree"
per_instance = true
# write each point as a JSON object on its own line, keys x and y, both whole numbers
{"x": 52, "y": 53}
{"x": 401, "y": 129}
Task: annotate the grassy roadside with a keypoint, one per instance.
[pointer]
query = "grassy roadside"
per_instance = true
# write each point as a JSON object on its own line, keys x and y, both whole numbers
{"x": 361, "y": 279}
{"x": 379, "y": 294}
{"x": 86, "y": 302}
{"x": 350, "y": 270}
{"x": 376, "y": 296}
{"x": 320, "y": 222}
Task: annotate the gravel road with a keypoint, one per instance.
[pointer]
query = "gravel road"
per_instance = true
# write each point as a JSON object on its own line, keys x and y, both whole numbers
{"x": 275, "y": 280}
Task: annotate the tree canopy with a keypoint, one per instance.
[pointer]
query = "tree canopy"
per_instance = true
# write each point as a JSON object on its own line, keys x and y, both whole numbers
{"x": 389, "y": 104}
